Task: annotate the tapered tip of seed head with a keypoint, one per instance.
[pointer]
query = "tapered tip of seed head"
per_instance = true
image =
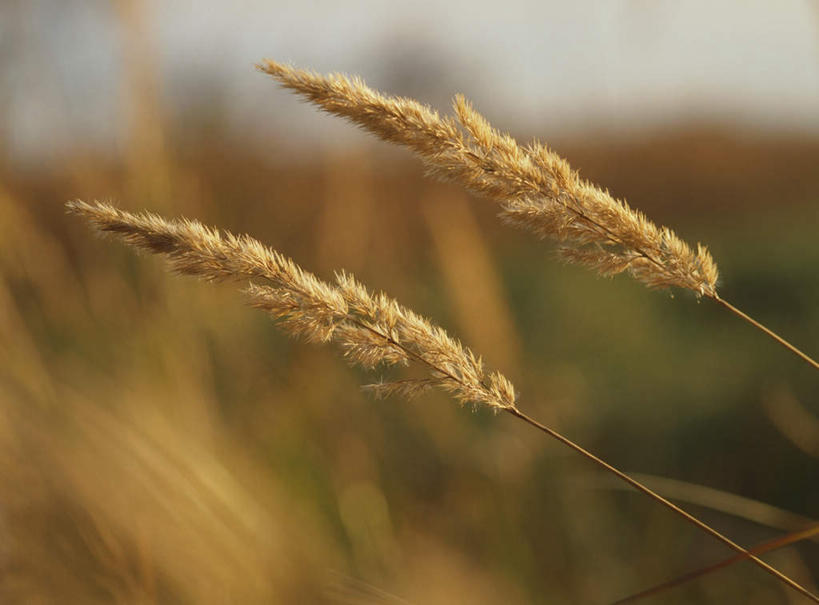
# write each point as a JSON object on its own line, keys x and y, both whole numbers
{"x": 77, "y": 207}
{"x": 281, "y": 71}
{"x": 271, "y": 67}
{"x": 101, "y": 215}
{"x": 91, "y": 211}
{"x": 460, "y": 102}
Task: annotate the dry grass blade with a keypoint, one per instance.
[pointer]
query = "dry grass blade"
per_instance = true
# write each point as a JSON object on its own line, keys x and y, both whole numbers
{"x": 759, "y": 549}
{"x": 800, "y": 527}
{"x": 793, "y": 420}
{"x": 725, "y": 502}
{"x": 537, "y": 189}
{"x": 371, "y": 329}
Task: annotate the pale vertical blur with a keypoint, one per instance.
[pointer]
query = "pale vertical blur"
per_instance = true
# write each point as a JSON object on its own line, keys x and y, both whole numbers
{"x": 141, "y": 109}
{"x": 471, "y": 278}
{"x": 348, "y": 203}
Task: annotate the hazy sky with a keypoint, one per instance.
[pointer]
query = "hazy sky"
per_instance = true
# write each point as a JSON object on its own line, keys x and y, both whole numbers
{"x": 535, "y": 67}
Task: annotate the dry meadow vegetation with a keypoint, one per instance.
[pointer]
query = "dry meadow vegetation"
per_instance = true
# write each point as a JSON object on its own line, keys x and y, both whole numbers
{"x": 161, "y": 443}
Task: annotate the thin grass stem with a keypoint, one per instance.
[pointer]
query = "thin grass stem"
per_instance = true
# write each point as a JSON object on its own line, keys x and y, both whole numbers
{"x": 668, "y": 504}
{"x": 766, "y": 330}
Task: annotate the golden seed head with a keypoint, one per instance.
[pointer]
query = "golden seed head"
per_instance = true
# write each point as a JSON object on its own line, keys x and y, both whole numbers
{"x": 537, "y": 189}
{"x": 371, "y": 329}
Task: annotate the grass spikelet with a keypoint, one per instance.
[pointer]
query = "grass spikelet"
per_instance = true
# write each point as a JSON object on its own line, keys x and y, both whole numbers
{"x": 371, "y": 329}
{"x": 537, "y": 189}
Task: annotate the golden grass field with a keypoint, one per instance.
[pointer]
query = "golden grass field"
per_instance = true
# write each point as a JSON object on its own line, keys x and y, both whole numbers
{"x": 162, "y": 442}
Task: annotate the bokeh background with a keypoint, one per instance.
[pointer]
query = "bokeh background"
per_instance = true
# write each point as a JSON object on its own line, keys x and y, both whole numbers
{"x": 160, "y": 442}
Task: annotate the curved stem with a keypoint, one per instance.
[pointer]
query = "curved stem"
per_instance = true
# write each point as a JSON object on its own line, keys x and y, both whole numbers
{"x": 766, "y": 330}
{"x": 774, "y": 544}
{"x": 669, "y": 505}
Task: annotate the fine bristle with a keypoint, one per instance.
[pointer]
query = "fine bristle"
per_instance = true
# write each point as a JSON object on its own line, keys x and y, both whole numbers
{"x": 537, "y": 189}
{"x": 371, "y": 329}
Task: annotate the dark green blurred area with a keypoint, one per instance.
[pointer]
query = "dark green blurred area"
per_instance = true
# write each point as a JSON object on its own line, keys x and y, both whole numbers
{"x": 159, "y": 441}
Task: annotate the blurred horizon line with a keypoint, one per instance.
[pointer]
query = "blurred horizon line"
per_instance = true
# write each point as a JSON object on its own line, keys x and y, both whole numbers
{"x": 75, "y": 76}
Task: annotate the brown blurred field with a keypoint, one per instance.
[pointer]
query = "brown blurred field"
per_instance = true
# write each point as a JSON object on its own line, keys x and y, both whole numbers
{"x": 160, "y": 442}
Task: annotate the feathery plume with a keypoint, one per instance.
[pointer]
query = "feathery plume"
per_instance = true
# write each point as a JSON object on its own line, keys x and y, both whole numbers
{"x": 371, "y": 329}
{"x": 537, "y": 189}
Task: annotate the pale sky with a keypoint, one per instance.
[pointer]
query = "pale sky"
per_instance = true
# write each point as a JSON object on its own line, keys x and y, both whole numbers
{"x": 536, "y": 68}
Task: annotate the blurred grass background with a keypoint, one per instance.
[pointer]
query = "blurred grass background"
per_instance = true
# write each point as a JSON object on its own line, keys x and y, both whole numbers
{"x": 160, "y": 442}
